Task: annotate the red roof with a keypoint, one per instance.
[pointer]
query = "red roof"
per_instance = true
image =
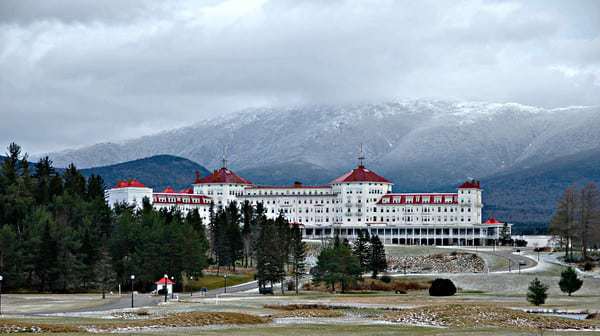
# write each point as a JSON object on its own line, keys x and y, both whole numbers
{"x": 222, "y": 175}
{"x": 162, "y": 281}
{"x": 168, "y": 190}
{"x": 471, "y": 184}
{"x": 492, "y": 221}
{"x": 187, "y": 191}
{"x": 130, "y": 184}
{"x": 360, "y": 174}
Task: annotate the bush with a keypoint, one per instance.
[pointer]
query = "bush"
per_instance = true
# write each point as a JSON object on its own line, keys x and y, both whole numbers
{"x": 442, "y": 287}
{"x": 386, "y": 278}
{"x": 521, "y": 243}
{"x": 569, "y": 282}
{"x": 537, "y": 292}
{"x": 588, "y": 266}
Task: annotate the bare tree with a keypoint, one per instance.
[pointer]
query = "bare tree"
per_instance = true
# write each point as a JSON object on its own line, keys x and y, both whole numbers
{"x": 588, "y": 216}
{"x": 563, "y": 223}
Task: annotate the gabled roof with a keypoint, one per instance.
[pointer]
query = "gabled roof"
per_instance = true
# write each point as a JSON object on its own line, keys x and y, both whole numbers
{"x": 360, "y": 174}
{"x": 130, "y": 184}
{"x": 162, "y": 281}
{"x": 222, "y": 175}
{"x": 492, "y": 221}
{"x": 471, "y": 184}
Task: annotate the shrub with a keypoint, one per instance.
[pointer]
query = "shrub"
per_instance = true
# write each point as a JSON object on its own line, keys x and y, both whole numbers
{"x": 521, "y": 243}
{"x": 442, "y": 287}
{"x": 386, "y": 278}
{"x": 569, "y": 282}
{"x": 588, "y": 266}
{"x": 537, "y": 292}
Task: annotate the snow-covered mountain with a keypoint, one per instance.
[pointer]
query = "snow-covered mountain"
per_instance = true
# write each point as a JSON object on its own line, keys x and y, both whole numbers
{"x": 417, "y": 144}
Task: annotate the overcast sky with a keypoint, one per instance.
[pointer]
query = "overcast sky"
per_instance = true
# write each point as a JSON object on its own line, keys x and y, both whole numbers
{"x": 76, "y": 72}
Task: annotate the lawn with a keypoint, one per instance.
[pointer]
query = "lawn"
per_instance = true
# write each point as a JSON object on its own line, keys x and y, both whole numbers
{"x": 212, "y": 281}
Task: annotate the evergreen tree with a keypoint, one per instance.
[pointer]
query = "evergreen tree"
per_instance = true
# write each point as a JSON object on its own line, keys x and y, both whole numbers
{"x": 105, "y": 274}
{"x": 569, "y": 282}
{"x": 362, "y": 250}
{"x": 267, "y": 266}
{"x": 298, "y": 254}
{"x": 44, "y": 173}
{"x": 504, "y": 235}
{"x": 95, "y": 187}
{"x": 247, "y": 219}
{"x": 537, "y": 293}
{"x": 233, "y": 235}
{"x": 378, "y": 262}
{"x": 74, "y": 182}
{"x": 337, "y": 264}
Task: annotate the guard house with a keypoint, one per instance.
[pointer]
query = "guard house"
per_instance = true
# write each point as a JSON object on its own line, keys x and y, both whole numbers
{"x": 160, "y": 284}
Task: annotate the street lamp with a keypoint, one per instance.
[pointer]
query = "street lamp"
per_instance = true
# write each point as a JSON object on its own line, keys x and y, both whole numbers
{"x": 191, "y": 287}
{"x": 165, "y": 288}
{"x": 225, "y": 276}
{"x": 132, "y": 277}
{"x": 1, "y": 278}
{"x": 173, "y": 290}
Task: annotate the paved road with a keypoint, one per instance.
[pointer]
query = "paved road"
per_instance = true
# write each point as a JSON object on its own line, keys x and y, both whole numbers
{"x": 230, "y": 290}
{"x": 514, "y": 259}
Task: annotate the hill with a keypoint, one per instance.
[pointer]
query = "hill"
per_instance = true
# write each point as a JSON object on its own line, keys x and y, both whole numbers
{"x": 157, "y": 171}
{"x": 528, "y": 196}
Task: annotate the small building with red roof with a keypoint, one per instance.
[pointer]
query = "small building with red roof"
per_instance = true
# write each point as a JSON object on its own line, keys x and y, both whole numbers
{"x": 160, "y": 284}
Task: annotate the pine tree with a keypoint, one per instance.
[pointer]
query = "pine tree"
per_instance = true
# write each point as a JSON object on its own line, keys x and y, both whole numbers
{"x": 337, "y": 264}
{"x": 247, "y": 218}
{"x": 44, "y": 173}
{"x": 105, "y": 274}
{"x": 378, "y": 262}
{"x": 504, "y": 235}
{"x": 298, "y": 255}
{"x": 267, "y": 268}
{"x": 362, "y": 250}
{"x": 95, "y": 187}
{"x": 74, "y": 182}
{"x": 537, "y": 293}
{"x": 569, "y": 282}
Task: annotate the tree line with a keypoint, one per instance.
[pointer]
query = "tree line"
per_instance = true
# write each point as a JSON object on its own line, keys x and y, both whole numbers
{"x": 57, "y": 233}
{"x": 576, "y": 221}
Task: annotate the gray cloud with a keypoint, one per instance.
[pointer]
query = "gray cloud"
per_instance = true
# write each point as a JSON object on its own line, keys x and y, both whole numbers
{"x": 76, "y": 73}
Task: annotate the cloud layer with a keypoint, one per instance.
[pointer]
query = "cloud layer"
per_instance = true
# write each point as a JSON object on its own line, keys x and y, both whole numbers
{"x": 76, "y": 73}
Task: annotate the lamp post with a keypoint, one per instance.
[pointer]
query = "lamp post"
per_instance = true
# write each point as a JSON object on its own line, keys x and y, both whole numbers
{"x": 225, "y": 276}
{"x": 132, "y": 277}
{"x": 191, "y": 288}
{"x": 165, "y": 288}
{"x": 173, "y": 290}
{"x": 1, "y": 278}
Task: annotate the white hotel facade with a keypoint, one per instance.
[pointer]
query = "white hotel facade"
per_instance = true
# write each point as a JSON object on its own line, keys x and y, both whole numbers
{"x": 359, "y": 200}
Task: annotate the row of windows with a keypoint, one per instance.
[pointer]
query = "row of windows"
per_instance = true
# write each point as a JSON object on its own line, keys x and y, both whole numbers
{"x": 399, "y": 231}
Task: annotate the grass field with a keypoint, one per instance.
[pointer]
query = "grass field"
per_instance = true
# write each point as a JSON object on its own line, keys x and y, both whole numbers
{"x": 487, "y": 304}
{"x": 212, "y": 281}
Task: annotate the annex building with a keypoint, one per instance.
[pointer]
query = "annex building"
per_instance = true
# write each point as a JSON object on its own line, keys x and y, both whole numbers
{"x": 359, "y": 200}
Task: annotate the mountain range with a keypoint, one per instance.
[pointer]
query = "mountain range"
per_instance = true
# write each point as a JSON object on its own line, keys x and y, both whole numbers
{"x": 420, "y": 145}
